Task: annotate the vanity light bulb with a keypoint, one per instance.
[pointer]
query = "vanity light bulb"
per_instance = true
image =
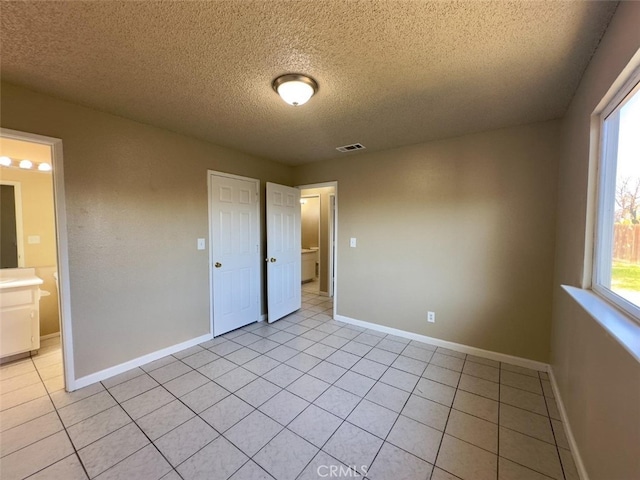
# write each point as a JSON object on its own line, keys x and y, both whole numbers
{"x": 44, "y": 167}
{"x": 5, "y": 161}
{"x": 26, "y": 164}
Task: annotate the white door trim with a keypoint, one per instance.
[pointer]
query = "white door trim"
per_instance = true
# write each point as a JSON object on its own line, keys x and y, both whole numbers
{"x": 332, "y": 242}
{"x": 64, "y": 287}
{"x": 335, "y": 246}
{"x": 211, "y": 173}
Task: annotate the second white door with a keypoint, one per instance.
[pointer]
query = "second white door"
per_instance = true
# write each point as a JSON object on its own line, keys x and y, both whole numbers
{"x": 283, "y": 251}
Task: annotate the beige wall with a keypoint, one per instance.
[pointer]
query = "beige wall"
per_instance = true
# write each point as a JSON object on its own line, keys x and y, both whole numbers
{"x": 323, "y": 274}
{"x": 464, "y": 227}
{"x": 310, "y": 213}
{"x": 136, "y": 203}
{"x": 599, "y": 381}
{"x": 37, "y": 219}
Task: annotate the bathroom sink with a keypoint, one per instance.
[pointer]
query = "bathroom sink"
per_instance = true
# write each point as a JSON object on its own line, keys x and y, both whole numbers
{"x": 7, "y": 283}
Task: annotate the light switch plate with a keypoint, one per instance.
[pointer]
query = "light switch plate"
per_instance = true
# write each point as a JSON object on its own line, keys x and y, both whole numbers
{"x": 352, "y": 242}
{"x": 201, "y": 244}
{"x": 33, "y": 239}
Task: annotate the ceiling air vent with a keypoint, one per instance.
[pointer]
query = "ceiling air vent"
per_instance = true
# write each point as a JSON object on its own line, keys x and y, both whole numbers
{"x": 351, "y": 148}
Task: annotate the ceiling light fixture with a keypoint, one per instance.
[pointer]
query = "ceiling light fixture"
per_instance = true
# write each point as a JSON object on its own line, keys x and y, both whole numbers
{"x": 26, "y": 164}
{"x": 295, "y": 89}
{"x": 5, "y": 161}
{"x": 44, "y": 167}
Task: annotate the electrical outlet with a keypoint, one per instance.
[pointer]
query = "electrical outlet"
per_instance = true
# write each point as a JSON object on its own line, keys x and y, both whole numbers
{"x": 431, "y": 317}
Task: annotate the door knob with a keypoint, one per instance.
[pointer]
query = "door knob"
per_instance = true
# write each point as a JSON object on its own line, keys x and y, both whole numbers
{"x": 218, "y": 265}
{"x": 272, "y": 260}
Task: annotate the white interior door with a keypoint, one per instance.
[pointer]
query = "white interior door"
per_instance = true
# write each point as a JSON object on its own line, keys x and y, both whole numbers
{"x": 235, "y": 251}
{"x": 284, "y": 251}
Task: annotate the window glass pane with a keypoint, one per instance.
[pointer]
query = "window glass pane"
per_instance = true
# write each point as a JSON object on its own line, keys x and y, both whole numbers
{"x": 625, "y": 260}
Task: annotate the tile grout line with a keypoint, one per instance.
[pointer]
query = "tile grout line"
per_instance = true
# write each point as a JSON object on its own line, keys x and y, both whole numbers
{"x": 312, "y": 403}
{"x": 405, "y": 345}
{"x": 348, "y": 340}
{"x": 119, "y": 404}
{"x": 261, "y": 376}
{"x": 284, "y": 427}
{"x": 344, "y": 420}
{"x": 384, "y": 440}
{"x": 524, "y": 434}
{"x": 553, "y": 431}
{"x": 221, "y": 434}
{"x": 444, "y": 430}
{"x": 64, "y": 427}
{"x": 143, "y": 432}
{"x": 361, "y": 357}
{"x": 317, "y": 406}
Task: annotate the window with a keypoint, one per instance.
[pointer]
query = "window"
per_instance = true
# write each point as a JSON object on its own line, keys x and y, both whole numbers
{"x": 617, "y": 246}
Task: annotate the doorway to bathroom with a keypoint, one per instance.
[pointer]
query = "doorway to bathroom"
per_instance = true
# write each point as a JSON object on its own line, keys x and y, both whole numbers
{"x": 310, "y": 240}
{"x": 34, "y": 283}
{"x": 319, "y": 233}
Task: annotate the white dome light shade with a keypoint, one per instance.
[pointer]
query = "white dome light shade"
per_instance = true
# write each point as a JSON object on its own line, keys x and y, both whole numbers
{"x": 295, "y": 93}
{"x": 44, "y": 167}
{"x": 5, "y": 161}
{"x": 295, "y": 89}
{"x": 26, "y": 164}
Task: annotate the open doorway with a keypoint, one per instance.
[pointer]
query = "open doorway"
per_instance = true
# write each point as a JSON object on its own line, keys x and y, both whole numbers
{"x": 34, "y": 261}
{"x": 318, "y": 238}
{"x": 310, "y": 238}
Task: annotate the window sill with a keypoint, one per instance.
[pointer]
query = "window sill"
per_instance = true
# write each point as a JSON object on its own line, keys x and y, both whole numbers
{"x": 625, "y": 330}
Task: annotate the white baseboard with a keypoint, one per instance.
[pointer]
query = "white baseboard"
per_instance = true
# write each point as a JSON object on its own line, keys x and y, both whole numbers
{"x": 136, "y": 362}
{"x": 263, "y": 317}
{"x": 51, "y": 335}
{"x": 458, "y": 347}
{"x": 577, "y": 459}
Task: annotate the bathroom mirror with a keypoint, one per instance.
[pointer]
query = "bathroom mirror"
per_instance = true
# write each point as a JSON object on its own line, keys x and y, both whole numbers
{"x": 11, "y": 245}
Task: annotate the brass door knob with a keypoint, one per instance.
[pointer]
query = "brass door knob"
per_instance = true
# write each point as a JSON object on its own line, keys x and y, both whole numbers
{"x": 218, "y": 265}
{"x": 272, "y": 260}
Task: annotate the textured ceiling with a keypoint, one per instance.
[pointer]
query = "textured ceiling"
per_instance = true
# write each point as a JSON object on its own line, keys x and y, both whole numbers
{"x": 390, "y": 73}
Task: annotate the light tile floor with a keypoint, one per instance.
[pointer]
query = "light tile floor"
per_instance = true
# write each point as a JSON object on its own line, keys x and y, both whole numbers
{"x": 311, "y": 287}
{"x": 304, "y": 398}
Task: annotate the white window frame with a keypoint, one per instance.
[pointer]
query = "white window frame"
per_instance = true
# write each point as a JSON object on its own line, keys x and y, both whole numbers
{"x": 602, "y": 261}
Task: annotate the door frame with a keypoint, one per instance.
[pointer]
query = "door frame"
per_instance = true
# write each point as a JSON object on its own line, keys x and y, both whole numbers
{"x": 332, "y": 240}
{"x": 333, "y": 243}
{"x": 62, "y": 245}
{"x": 211, "y": 173}
{"x": 319, "y": 197}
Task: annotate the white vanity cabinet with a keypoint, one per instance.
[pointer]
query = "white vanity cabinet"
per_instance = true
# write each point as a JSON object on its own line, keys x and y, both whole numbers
{"x": 309, "y": 259}
{"x": 19, "y": 311}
